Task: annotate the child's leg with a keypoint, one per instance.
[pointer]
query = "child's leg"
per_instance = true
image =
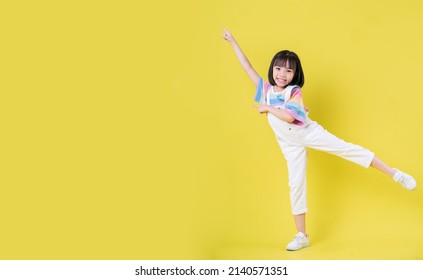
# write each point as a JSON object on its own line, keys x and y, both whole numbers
{"x": 300, "y": 223}
{"x": 320, "y": 139}
{"x": 296, "y": 157}
{"x": 381, "y": 166}
{"x": 301, "y": 239}
{"x": 407, "y": 181}
{"x": 296, "y": 160}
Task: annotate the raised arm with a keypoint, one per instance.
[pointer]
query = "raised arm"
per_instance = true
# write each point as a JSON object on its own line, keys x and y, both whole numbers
{"x": 246, "y": 65}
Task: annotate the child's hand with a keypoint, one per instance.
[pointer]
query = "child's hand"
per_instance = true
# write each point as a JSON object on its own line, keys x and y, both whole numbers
{"x": 262, "y": 108}
{"x": 227, "y": 36}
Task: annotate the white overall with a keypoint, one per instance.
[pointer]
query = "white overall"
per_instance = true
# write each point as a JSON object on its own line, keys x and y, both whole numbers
{"x": 294, "y": 139}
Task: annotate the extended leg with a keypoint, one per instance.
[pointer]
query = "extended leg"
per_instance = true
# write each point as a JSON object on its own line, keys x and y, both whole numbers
{"x": 406, "y": 180}
{"x": 380, "y": 165}
{"x": 322, "y": 140}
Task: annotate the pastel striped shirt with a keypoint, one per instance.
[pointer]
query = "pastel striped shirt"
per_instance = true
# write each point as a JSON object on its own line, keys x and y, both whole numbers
{"x": 294, "y": 105}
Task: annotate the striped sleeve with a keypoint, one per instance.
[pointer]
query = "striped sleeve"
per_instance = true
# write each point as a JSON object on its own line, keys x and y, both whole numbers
{"x": 295, "y": 106}
{"x": 261, "y": 91}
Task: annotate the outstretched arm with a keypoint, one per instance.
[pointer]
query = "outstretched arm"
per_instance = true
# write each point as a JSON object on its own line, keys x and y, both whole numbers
{"x": 241, "y": 57}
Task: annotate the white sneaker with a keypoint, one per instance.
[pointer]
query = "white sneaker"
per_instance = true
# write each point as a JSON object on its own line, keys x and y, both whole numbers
{"x": 300, "y": 241}
{"x": 407, "y": 181}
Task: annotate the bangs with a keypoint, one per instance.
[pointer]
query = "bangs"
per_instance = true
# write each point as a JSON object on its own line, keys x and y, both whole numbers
{"x": 287, "y": 62}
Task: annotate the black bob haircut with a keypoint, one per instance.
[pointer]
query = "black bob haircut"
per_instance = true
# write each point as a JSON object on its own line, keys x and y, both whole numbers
{"x": 283, "y": 58}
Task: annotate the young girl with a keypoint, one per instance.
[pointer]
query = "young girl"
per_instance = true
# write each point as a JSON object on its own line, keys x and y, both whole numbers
{"x": 281, "y": 99}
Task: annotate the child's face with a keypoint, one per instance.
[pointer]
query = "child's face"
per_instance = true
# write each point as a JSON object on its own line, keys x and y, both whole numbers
{"x": 282, "y": 75}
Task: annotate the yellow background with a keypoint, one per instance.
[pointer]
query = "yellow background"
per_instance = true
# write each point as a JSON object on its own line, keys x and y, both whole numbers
{"x": 127, "y": 130}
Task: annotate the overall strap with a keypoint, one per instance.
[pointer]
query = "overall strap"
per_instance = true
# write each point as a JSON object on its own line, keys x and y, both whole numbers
{"x": 288, "y": 91}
